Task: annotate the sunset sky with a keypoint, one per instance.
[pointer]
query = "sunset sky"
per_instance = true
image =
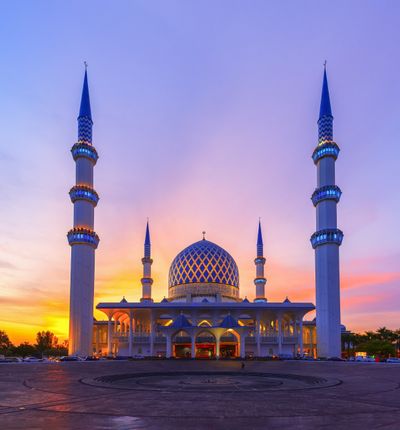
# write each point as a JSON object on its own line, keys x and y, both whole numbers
{"x": 205, "y": 118}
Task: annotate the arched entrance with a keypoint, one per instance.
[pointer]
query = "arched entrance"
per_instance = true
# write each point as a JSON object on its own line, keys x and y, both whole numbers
{"x": 181, "y": 344}
{"x": 205, "y": 345}
{"x": 229, "y": 344}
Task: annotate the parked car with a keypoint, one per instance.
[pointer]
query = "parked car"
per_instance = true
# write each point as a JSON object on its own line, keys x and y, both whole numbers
{"x": 14, "y": 360}
{"x": 32, "y": 360}
{"x": 366, "y": 359}
{"x": 393, "y": 360}
{"x": 69, "y": 358}
{"x": 138, "y": 357}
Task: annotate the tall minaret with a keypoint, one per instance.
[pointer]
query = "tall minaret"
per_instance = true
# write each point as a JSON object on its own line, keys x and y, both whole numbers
{"x": 147, "y": 280}
{"x": 82, "y": 238}
{"x": 260, "y": 280}
{"x": 327, "y": 238}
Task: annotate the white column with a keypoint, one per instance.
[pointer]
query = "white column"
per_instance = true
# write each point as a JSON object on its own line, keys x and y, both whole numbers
{"x": 130, "y": 338}
{"x": 280, "y": 334}
{"x": 169, "y": 346}
{"x": 242, "y": 345}
{"x": 97, "y": 338}
{"x": 151, "y": 334}
{"x": 115, "y": 337}
{"x": 301, "y": 336}
{"x": 258, "y": 336}
{"x": 109, "y": 336}
{"x": 217, "y": 346}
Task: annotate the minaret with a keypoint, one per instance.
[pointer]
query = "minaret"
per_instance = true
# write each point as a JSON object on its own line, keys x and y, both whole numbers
{"x": 327, "y": 238}
{"x": 82, "y": 237}
{"x": 147, "y": 280}
{"x": 260, "y": 280}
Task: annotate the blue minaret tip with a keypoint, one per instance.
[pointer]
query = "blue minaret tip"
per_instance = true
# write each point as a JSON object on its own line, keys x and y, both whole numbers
{"x": 147, "y": 244}
{"x": 325, "y": 109}
{"x": 84, "y": 110}
{"x": 260, "y": 245}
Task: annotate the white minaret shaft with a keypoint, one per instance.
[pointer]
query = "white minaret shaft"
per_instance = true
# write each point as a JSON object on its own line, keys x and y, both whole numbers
{"x": 82, "y": 237}
{"x": 147, "y": 280}
{"x": 327, "y": 238}
{"x": 259, "y": 261}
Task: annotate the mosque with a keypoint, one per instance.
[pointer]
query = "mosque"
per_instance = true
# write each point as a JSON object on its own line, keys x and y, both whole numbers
{"x": 204, "y": 315}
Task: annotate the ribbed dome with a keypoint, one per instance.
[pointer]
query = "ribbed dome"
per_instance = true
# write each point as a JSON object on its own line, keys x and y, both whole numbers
{"x": 204, "y": 263}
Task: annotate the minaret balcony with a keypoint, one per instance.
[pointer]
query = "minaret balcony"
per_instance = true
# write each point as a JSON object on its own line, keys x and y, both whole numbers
{"x": 147, "y": 260}
{"x": 83, "y": 236}
{"x": 328, "y": 192}
{"x": 82, "y": 149}
{"x": 83, "y": 192}
{"x": 325, "y": 149}
{"x": 260, "y": 260}
{"x": 261, "y": 281}
{"x": 146, "y": 281}
{"x": 327, "y": 236}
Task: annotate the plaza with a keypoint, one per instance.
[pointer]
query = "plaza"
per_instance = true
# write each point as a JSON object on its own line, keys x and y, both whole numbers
{"x": 198, "y": 394}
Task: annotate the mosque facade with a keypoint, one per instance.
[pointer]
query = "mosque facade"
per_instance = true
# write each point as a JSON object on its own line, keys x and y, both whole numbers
{"x": 204, "y": 315}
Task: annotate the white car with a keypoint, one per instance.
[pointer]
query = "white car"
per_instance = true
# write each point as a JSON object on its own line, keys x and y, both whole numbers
{"x": 32, "y": 360}
{"x": 393, "y": 360}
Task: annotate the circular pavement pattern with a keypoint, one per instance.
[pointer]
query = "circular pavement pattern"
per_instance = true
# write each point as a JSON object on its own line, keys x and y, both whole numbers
{"x": 207, "y": 381}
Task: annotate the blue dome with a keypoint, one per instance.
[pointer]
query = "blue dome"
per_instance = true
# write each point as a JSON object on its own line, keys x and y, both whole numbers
{"x": 203, "y": 262}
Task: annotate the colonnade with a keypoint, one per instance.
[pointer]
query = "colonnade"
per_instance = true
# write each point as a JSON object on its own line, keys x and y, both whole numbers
{"x": 275, "y": 331}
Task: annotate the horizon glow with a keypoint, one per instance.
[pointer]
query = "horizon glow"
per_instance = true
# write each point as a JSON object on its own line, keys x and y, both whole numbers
{"x": 205, "y": 118}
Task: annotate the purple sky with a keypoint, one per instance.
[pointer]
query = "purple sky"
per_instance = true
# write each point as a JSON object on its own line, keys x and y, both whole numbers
{"x": 204, "y": 119}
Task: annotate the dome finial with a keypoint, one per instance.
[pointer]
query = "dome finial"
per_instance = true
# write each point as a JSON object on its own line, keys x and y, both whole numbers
{"x": 204, "y": 235}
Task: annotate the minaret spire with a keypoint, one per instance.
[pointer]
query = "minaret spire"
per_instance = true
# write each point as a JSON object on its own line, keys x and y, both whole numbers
{"x": 85, "y": 110}
{"x": 325, "y": 108}
{"x": 82, "y": 237}
{"x": 327, "y": 238}
{"x": 260, "y": 245}
{"x": 147, "y": 243}
{"x": 260, "y": 280}
{"x": 147, "y": 280}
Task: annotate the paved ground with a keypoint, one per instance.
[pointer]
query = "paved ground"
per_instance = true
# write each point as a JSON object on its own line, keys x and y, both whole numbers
{"x": 155, "y": 395}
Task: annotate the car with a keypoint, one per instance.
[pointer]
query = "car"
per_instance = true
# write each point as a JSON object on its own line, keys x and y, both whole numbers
{"x": 366, "y": 359}
{"x": 285, "y": 357}
{"x": 32, "y": 360}
{"x": 393, "y": 360}
{"x": 13, "y": 360}
{"x": 69, "y": 358}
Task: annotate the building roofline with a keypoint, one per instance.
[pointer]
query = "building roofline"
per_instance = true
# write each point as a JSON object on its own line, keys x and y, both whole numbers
{"x": 185, "y": 305}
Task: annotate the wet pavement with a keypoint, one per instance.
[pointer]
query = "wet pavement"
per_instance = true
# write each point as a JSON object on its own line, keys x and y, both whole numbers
{"x": 199, "y": 395}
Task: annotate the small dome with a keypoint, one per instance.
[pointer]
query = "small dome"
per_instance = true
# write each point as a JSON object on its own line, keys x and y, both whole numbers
{"x": 204, "y": 268}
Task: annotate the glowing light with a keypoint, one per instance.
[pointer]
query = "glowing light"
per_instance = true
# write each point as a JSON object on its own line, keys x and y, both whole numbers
{"x": 83, "y": 192}
{"x": 83, "y": 236}
{"x": 85, "y": 150}
{"x": 327, "y": 149}
{"x": 322, "y": 237}
{"x": 328, "y": 192}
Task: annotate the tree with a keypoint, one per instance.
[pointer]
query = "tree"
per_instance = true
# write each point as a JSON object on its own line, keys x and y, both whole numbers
{"x": 45, "y": 341}
{"x": 24, "y": 349}
{"x": 5, "y": 343}
{"x": 377, "y": 347}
